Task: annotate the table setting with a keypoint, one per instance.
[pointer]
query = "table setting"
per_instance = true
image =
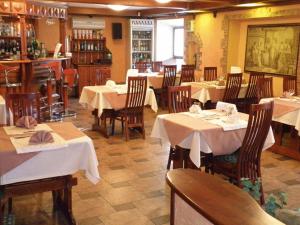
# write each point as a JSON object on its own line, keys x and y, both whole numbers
{"x": 205, "y": 91}
{"x": 32, "y": 151}
{"x": 111, "y": 96}
{"x": 219, "y": 131}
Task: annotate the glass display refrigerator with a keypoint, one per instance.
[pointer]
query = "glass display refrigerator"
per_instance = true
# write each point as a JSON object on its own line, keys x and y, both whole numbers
{"x": 142, "y": 41}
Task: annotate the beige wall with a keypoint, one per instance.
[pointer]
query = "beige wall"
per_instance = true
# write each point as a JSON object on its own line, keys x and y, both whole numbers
{"x": 49, "y": 34}
{"x": 217, "y": 50}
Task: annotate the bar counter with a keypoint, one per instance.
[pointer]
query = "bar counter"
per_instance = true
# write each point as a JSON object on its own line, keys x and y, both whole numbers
{"x": 31, "y": 72}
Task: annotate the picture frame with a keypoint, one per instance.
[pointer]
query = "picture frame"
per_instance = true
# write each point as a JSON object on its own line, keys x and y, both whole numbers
{"x": 272, "y": 49}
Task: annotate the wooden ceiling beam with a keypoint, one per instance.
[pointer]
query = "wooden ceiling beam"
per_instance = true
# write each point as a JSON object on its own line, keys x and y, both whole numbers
{"x": 158, "y": 12}
{"x": 101, "y": 12}
{"x": 137, "y": 3}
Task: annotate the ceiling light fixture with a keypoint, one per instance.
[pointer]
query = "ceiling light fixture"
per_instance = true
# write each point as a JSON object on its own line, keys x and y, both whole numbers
{"x": 257, "y": 4}
{"x": 163, "y": 1}
{"x": 118, "y": 7}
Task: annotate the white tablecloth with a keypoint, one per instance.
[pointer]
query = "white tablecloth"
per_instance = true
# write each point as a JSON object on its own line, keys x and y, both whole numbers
{"x": 195, "y": 141}
{"x": 92, "y": 98}
{"x": 203, "y": 94}
{"x": 79, "y": 155}
{"x": 290, "y": 118}
{"x": 2, "y": 111}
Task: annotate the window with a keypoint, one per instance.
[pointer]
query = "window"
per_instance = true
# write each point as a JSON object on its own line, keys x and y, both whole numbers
{"x": 178, "y": 44}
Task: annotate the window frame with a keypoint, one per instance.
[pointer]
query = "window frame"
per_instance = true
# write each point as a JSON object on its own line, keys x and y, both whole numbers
{"x": 176, "y": 56}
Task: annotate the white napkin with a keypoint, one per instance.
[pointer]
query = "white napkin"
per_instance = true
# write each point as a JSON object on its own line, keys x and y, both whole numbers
{"x": 224, "y": 106}
{"x": 195, "y": 109}
{"x": 228, "y": 125}
{"x": 110, "y": 83}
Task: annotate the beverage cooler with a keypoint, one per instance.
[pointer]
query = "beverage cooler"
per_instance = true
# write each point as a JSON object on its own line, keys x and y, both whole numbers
{"x": 142, "y": 41}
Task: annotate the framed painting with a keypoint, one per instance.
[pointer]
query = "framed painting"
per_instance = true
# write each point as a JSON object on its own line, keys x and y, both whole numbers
{"x": 272, "y": 49}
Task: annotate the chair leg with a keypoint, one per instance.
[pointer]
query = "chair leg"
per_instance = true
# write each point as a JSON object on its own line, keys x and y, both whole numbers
{"x": 262, "y": 197}
{"x": 126, "y": 131}
{"x": 171, "y": 152}
{"x": 10, "y": 205}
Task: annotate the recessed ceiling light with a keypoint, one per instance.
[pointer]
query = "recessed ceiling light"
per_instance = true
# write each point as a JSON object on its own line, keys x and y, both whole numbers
{"x": 118, "y": 7}
{"x": 163, "y": 1}
{"x": 256, "y": 4}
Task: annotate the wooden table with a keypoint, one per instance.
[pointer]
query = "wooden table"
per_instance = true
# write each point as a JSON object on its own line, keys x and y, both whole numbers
{"x": 19, "y": 174}
{"x": 209, "y": 91}
{"x": 200, "y": 198}
{"x": 102, "y": 100}
{"x": 286, "y": 126}
{"x": 201, "y": 134}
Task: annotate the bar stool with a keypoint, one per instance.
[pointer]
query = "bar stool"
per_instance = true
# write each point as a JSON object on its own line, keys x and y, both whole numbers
{"x": 52, "y": 105}
{"x": 11, "y": 87}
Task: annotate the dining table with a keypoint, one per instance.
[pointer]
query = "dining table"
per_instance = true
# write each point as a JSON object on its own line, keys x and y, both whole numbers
{"x": 205, "y": 91}
{"x": 286, "y": 112}
{"x": 27, "y": 168}
{"x": 209, "y": 132}
{"x": 155, "y": 79}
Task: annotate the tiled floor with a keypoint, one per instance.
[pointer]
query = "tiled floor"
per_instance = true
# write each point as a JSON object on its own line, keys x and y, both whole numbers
{"x": 133, "y": 190}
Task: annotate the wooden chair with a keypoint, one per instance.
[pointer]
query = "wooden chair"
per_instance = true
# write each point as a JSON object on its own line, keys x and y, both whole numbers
{"x": 133, "y": 113}
{"x": 156, "y": 66}
{"x": 168, "y": 80}
{"x": 290, "y": 83}
{"x": 179, "y": 100}
{"x": 100, "y": 78}
{"x": 210, "y": 73}
{"x": 71, "y": 77}
{"x": 251, "y": 92}
{"x": 141, "y": 67}
{"x": 233, "y": 86}
{"x": 265, "y": 88}
{"x": 245, "y": 162}
{"x": 22, "y": 104}
{"x": 187, "y": 73}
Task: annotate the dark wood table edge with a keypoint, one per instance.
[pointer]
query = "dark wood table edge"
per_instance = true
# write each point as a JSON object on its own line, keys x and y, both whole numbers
{"x": 61, "y": 188}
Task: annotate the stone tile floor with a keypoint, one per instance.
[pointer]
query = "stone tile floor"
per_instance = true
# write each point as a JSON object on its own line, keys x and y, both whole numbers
{"x": 133, "y": 190}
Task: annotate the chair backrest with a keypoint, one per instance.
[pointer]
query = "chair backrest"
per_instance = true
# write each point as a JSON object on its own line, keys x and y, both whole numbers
{"x": 179, "y": 98}
{"x": 233, "y": 86}
{"x": 131, "y": 73}
{"x": 141, "y": 67}
{"x": 252, "y": 86}
{"x": 70, "y": 76}
{"x": 290, "y": 83}
{"x": 156, "y": 66}
{"x": 169, "y": 76}
{"x": 22, "y": 104}
{"x": 210, "y": 73}
{"x": 265, "y": 87}
{"x": 259, "y": 124}
{"x": 100, "y": 78}
{"x": 187, "y": 73}
{"x": 136, "y": 92}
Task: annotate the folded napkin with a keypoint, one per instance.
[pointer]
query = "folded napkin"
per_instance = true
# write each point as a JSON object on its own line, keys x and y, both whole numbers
{"x": 287, "y": 94}
{"x": 226, "y": 107}
{"x": 195, "y": 109}
{"x": 221, "y": 83}
{"x": 26, "y": 121}
{"x": 228, "y": 125}
{"x": 41, "y": 137}
{"x": 110, "y": 83}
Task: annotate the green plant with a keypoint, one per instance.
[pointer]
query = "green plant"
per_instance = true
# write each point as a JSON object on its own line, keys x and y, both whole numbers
{"x": 273, "y": 201}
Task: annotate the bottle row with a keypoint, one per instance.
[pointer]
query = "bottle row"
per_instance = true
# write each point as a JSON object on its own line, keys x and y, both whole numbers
{"x": 10, "y": 49}
{"x": 141, "y": 57}
{"x": 88, "y": 34}
{"x": 88, "y": 46}
{"x": 141, "y": 45}
{"x": 9, "y": 29}
{"x": 142, "y": 34}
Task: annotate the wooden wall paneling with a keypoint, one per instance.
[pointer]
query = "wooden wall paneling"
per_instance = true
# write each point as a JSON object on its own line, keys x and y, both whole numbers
{"x": 23, "y": 37}
{"x": 18, "y": 7}
{"x": 4, "y": 6}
